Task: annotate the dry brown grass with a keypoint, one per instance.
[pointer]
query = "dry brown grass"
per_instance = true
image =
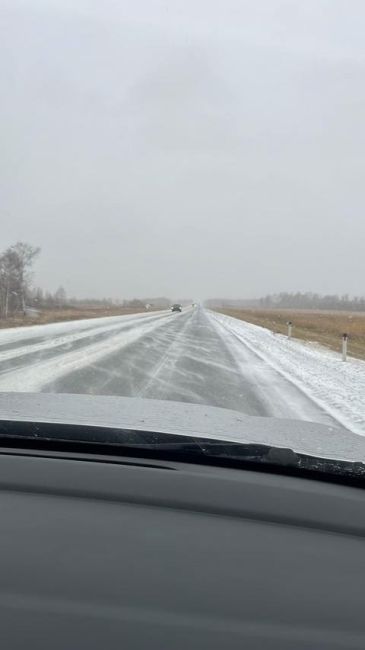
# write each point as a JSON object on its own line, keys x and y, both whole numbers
{"x": 325, "y": 327}
{"x": 59, "y": 315}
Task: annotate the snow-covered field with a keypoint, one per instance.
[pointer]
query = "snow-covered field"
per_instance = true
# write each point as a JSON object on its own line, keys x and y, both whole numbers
{"x": 321, "y": 374}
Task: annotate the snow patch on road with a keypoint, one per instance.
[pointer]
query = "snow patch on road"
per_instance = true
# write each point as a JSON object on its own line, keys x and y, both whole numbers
{"x": 68, "y": 336}
{"x": 34, "y": 376}
{"x": 50, "y": 330}
{"x": 335, "y": 386}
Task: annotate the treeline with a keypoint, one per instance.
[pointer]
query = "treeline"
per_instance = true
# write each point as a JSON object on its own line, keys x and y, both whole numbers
{"x": 37, "y": 298}
{"x": 312, "y": 301}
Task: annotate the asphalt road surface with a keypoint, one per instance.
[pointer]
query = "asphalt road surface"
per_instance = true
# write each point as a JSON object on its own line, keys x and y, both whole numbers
{"x": 172, "y": 356}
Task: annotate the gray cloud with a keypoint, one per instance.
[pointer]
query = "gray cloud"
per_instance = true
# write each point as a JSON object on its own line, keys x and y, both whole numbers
{"x": 185, "y": 148}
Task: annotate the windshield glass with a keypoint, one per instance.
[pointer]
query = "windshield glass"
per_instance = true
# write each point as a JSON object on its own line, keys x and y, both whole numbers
{"x": 182, "y": 206}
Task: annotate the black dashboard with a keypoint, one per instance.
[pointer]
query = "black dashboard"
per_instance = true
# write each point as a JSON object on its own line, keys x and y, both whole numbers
{"x": 129, "y": 553}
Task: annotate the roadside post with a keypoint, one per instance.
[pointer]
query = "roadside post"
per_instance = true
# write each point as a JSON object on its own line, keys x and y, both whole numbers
{"x": 290, "y": 328}
{"x": 345, "y": 338}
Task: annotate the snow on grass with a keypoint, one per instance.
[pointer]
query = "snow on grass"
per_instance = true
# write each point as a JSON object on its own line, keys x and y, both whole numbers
{"x": 321, "y": 374}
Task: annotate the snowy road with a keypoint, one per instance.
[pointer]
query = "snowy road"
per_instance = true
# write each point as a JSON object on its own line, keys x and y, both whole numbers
{"x": 194, "y": 356}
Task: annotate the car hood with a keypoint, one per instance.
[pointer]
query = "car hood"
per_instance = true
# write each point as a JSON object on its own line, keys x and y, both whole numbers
{"x": 137, "y": 414}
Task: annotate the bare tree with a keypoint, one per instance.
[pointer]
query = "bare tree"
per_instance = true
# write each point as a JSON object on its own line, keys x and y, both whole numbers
{"x": 15, "y": 272}
{"x": 7, "y": 269}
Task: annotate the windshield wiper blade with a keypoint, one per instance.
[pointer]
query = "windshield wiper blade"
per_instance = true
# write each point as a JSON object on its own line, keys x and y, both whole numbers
{"x": 130, "y": 439}
{"x": 286, "y": 458}
{"x": 176, "y": 447}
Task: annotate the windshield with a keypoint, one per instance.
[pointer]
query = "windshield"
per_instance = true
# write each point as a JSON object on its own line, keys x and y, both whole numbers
{"x": 182, "y": 206}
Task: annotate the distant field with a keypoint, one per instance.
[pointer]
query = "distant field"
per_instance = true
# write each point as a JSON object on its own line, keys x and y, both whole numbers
{"x": 58, "y": 315}
{"x": 324, "y": 327}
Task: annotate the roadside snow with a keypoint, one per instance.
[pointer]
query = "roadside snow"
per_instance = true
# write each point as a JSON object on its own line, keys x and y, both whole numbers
{"x": 335, "y": 386}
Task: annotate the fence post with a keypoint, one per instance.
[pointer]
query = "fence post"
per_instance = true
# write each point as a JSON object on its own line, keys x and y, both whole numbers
{"x": 290, "y": 327}
{"x": 345, "y": 338}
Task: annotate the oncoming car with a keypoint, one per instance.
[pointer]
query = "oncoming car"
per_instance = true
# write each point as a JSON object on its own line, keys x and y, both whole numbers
{"x": 176, "y": 307}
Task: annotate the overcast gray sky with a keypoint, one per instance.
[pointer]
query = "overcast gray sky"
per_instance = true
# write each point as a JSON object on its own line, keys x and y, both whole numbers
{"x": 193, "y": 148}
